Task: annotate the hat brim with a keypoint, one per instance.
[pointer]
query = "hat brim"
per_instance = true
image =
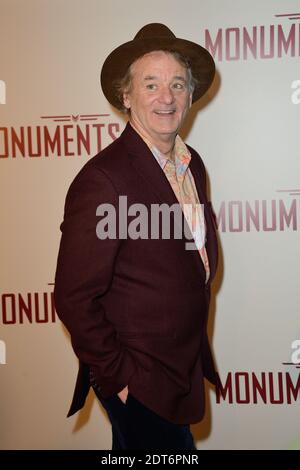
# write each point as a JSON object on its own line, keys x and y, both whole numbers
{"x": 118, "y": 62}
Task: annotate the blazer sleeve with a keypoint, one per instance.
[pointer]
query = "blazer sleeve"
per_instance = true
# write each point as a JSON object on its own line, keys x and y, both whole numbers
{"x": 85, "y": 269}
{"x": 208, "y": 363}
{"x": 209, "y": 370}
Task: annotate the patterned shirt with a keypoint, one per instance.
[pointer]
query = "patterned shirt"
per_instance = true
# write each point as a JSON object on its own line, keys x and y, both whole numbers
{"x": 182, "y": 182}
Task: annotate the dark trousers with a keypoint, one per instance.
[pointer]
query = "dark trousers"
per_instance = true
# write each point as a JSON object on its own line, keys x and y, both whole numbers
{"x": 134, "y": 426}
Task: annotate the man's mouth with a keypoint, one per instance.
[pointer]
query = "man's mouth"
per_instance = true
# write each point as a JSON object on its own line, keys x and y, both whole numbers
{"x": 164, "y": 112}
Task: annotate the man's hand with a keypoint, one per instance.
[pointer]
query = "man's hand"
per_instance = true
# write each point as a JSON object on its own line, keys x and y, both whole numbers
{"x": 123, "y": 394}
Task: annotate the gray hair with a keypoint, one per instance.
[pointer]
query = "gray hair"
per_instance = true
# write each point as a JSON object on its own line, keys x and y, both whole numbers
{"x": 124, "y": 84}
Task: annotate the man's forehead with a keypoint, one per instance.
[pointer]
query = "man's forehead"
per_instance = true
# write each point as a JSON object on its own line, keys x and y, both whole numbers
{"x": 153, "y": 60}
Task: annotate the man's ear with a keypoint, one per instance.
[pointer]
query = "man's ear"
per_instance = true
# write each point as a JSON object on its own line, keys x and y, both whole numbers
{"x": 126, "y": 100}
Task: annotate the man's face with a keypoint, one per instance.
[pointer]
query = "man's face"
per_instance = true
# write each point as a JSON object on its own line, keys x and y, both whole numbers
{"x": 159, "y": 97}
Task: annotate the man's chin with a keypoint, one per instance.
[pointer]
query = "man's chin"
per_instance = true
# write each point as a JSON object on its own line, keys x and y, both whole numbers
{"x": 166, "y": 130}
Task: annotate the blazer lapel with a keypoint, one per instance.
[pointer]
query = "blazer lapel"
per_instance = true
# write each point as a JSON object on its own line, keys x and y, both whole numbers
{"x": 211, "y": 239}
{"x": 148, "y": 168}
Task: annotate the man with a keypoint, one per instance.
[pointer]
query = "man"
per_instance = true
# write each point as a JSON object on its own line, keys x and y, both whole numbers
{"x": 136, "y": 307}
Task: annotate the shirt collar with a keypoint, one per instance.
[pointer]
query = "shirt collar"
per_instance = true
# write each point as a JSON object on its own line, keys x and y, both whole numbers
{"x": 182, "y": 154}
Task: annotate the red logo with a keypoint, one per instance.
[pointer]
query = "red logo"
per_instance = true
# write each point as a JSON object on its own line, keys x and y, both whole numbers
{"x": 256, "y": 42}
{"x": 66, "y": 135}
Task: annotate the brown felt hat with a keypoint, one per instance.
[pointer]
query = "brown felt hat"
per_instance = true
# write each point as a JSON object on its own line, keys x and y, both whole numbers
{"x": 154, "y": 37}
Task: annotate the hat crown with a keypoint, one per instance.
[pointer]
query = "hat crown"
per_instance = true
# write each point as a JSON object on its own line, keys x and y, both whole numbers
{"x": 154, "y": 37}
{"x": 154, "y": 30}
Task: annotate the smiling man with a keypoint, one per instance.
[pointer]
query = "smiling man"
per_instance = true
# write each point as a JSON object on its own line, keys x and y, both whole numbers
{"x": 136, "y": 308}
{"x": 160, "y": 95}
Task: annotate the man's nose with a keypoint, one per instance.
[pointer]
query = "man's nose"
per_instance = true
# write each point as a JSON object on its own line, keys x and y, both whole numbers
{"x": 166, "y": 95}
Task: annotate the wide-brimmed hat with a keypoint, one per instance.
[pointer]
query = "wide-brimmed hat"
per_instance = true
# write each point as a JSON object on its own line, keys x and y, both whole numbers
{"x": 153, "y": 37}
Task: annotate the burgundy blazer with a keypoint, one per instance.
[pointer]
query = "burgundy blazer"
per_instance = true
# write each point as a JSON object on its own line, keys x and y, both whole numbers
{"x": 136, "y": 310}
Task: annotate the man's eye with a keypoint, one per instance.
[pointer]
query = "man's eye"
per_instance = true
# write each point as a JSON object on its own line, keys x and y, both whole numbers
{"x": 151, "y": 86}
{"x": 178, "y": 86}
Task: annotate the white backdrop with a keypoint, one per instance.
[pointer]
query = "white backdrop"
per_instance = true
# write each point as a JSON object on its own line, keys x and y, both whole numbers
{"x": 247, "y": 131}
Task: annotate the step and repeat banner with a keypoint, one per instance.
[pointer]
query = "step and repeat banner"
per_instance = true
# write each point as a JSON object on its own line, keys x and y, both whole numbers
{"x": 54, "y": 118}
